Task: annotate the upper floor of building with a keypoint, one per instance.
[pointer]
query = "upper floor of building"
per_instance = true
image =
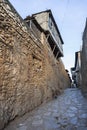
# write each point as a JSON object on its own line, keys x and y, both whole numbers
{"x": 45, "y": 22}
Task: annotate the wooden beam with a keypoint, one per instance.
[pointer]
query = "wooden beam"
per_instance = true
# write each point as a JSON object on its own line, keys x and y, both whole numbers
{"x": 57, "y": 54}
{"x": 54, "y": 48}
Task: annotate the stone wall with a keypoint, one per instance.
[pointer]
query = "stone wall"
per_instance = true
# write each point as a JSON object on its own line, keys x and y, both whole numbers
{"x": 29, "y": 73}
{"x": 84, "y": 62}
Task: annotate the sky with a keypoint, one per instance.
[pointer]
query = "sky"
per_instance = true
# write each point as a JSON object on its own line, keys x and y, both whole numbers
{"x": 70, "y": 17}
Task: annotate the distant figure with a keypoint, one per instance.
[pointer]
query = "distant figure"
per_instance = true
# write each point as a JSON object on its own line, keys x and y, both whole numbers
{"x": 73, "y": 85}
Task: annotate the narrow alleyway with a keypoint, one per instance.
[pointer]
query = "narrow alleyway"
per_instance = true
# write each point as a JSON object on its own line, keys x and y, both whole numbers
{"x": 67, "y": 112}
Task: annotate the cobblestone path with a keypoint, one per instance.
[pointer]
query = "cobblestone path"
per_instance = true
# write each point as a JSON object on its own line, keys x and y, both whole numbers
{"x": 67, "y": 112}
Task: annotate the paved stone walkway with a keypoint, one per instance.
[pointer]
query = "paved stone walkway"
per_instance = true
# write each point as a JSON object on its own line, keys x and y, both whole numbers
{"x": 67, "y": 112}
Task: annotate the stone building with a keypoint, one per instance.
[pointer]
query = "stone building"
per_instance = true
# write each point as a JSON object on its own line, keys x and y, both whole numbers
{"x": 46, "y": 21}
{"x": 31, "y": 70}
{"x": 76, "y": 70}
{"x": 84, "y": 61}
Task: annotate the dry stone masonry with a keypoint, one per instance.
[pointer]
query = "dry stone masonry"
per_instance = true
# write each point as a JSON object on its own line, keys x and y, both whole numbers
{"x": 29, "y": 73}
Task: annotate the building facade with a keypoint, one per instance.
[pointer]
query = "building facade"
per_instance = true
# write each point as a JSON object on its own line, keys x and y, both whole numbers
{"x": 84, "y": 61}
{"x": 76, "y": 70}
{"x": 48, "y": 24}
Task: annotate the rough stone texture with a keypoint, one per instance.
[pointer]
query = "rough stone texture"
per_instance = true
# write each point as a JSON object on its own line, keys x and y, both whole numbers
{"x": 29, "y": 73}
{"x": 84, "y": 62}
